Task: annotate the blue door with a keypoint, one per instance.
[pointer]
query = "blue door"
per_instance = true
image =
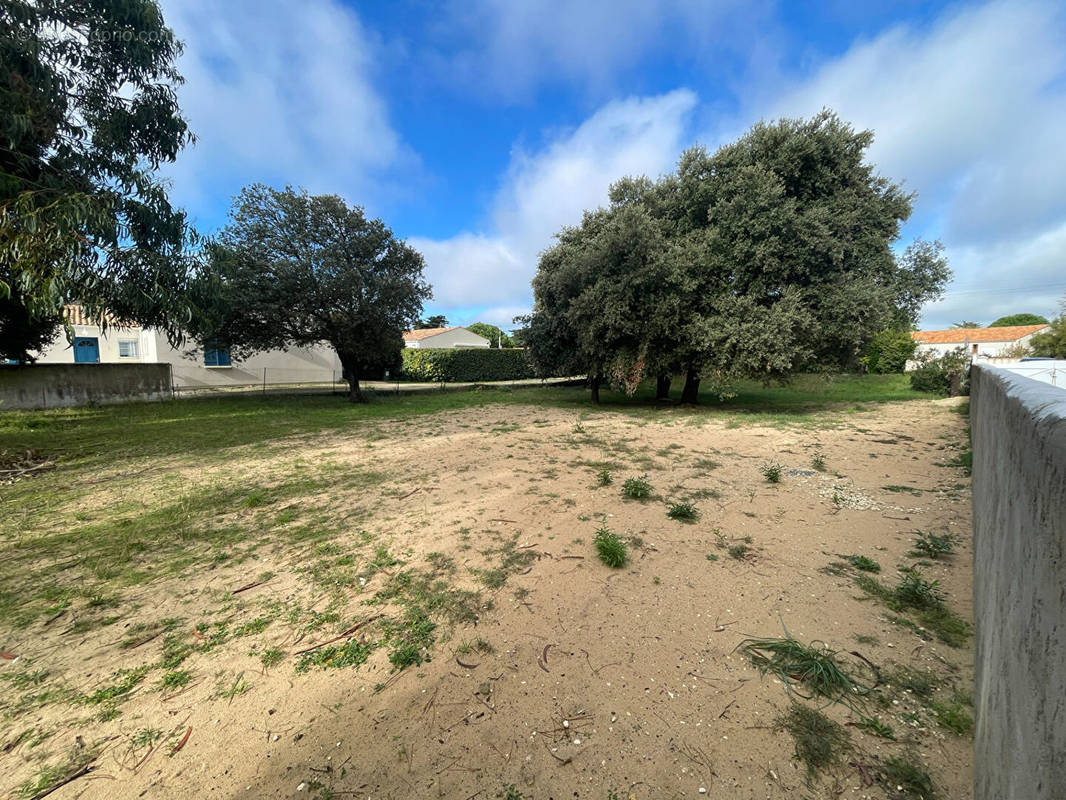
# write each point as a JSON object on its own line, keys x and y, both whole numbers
{"x": 86, "y": 350}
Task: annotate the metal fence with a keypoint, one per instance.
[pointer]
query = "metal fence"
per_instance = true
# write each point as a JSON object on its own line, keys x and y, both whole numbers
{"x": 208, "y": 380}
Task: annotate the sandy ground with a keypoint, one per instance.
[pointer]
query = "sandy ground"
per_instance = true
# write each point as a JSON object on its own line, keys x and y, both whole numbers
{"x": 601, "y": 682}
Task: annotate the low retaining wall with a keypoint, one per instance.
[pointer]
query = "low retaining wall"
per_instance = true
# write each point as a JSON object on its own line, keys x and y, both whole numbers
{"x": 1019, "y": 496}
{"x": 59, "y": 385}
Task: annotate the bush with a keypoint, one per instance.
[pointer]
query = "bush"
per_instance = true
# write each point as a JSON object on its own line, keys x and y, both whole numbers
{"x": 948, "y": 376}
{"x": 889, "y": 351}
{"x": 459, "y": 365}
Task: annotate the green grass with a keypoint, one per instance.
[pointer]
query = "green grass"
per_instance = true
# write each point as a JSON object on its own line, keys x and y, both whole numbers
{"x": 604, "y": 478}
{"x": 864, "y": 563}
{"x": 953, "y": 716}
{"x": 683, "y": 512}
{"x": 611, "y": 548}
{"x": 815, "y": 666}
{"x": 932, "y": 545}
{"x": 637, "y": 488}
{"x": 906, "y": 779}
{"x": 922, "y": 598}
{"x": 771, "y": 472}
{"x": 820, "y": 742}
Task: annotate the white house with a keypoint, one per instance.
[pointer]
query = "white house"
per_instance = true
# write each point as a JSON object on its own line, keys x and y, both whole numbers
{"x": 978, "y": 342}
{"x": 444, "y": 338}
{"x": 211, "y": 366}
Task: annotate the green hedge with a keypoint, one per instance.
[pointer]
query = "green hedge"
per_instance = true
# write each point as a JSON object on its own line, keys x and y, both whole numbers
{"x": 462, "y": 365}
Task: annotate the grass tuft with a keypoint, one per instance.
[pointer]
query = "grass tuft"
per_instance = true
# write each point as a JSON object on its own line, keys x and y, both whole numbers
{"x": 611, "y": 548}
{"x": 683, "y": 512}
{"x": 772, "y": 472}
{"x": 604, "y": 478}
{"x": 637, "y": 488}
{"x": 820, "y": 742}
{"x": 906, "y": 779}
{"x": 864, "y": 563}
{"x": 933, "y": 545}
{"x": 813, "y": 665}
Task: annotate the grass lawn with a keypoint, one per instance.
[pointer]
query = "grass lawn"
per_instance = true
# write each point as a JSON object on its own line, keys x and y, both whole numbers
{"x": 199, "y": 548}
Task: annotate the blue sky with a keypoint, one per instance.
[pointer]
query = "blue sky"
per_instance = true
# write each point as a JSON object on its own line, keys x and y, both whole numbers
{"x": 476, "y": 129}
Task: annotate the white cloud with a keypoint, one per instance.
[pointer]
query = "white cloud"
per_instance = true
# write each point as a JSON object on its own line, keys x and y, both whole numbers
{"x": 514, "y": 46}
{"x": 278, "y": 93}
{"x": 970, "y": 112}
{"x": 546, "y": 190}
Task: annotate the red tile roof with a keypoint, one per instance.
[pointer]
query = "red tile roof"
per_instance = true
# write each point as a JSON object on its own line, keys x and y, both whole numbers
{"x": 1010, "y": 333}
{"x": 76, "y": 315}
{"x": 425, "y": 333}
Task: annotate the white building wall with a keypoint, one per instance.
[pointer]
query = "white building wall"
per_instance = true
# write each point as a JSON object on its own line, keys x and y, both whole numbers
{"x": 983, "y": 349}
{"x": 456, "y": 337}
{"x": 62, "y": 352}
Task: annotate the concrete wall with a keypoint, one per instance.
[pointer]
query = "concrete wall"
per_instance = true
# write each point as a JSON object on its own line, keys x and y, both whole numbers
{"x": 1019, "y": 491}
{"x": 56, "y": 385}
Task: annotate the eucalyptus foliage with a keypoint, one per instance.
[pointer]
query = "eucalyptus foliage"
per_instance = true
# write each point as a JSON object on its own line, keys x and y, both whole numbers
{"x": 88, "y": 113}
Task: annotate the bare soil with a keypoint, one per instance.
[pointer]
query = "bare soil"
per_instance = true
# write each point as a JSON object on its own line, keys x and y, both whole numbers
{"x": 576, "y": 680}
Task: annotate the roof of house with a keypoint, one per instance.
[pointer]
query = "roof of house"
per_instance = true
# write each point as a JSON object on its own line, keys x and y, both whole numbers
{"x": 75, "y": 315}
{"x": 425, "y": 333}
{"x": 1009, "y": 333}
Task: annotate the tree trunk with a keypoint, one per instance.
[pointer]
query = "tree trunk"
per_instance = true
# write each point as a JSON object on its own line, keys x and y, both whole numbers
{"x": 662, "y": 387}
{"x": 355, "y": 394}
{"x": 691, "y": 392}
{"x": 594, "y": 384}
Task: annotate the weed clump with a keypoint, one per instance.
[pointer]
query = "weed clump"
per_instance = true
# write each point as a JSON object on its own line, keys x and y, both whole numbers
{"x": 611, "y": 548}
{"x": 933, "y": 545}
{"x": 772, "y": 472}
{"x": 925, "y": 599}
{"x": 864, "y": 563}
{"x": 604, "y": 478}
{"x": 904, "y": 778}
{"x": 814, "y": 666}
{"x": 637, "y": 488}
{"x": 818, "y": 462}
{"x": 683, "y": 512}
{"x": 820, "y": 742}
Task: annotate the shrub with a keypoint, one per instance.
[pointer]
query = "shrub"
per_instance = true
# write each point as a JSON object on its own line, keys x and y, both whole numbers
{"x": 683, "y": 512}
{"x": 947, "y": 376}
{"x": 772, "y": 472}
{"x": 443, "y": 365}
{"x": 889, "y": 351}
{"x": 637, "y": 488}
{"x": 611, "y": 548}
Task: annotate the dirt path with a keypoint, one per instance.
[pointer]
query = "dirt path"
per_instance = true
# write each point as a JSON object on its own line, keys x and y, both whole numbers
{"x": 581, "y": 680}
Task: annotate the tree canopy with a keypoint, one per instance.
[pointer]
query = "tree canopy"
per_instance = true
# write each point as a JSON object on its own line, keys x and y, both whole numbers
{"x": 1052, "y": 342}
{"x": 435, "y": 321}
{"x": 494, "y": 334}
{"x": 88, "y": 113}
{"x": 773, "y": 254}
{"x": 1018, "y": 319}
{"x": 292, "y": 269}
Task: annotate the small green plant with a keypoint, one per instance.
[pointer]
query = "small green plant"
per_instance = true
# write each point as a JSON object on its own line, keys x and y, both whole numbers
{"x": 820, "y": 742}
{"x": 637, "y": 488}
{"x": 933, "y": 545}
{"x": 604, "y": 478}
{"x": 683, "y": 512}
{"x": 863, "y": 563}
{"x": 912, "y": 680}
{"x": 711, "y": 556}
{"x": 350, "y": 654}
{"x": 916, "y": 592}
{"x": 271, "y": 657}
{"x": 904, "y": 778}
{"x": 813, "y": 665}
{"x": 772, "y": 472}
{"x": 739, "y": 551}
{"x": 611, "y": 548}
{"x": 953, "y": 716}
{"x": 876, "y": 727}
{"x": 175, "y": 679}
{"x": 509, "y": 792}
{"x": 818, "y": 462}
